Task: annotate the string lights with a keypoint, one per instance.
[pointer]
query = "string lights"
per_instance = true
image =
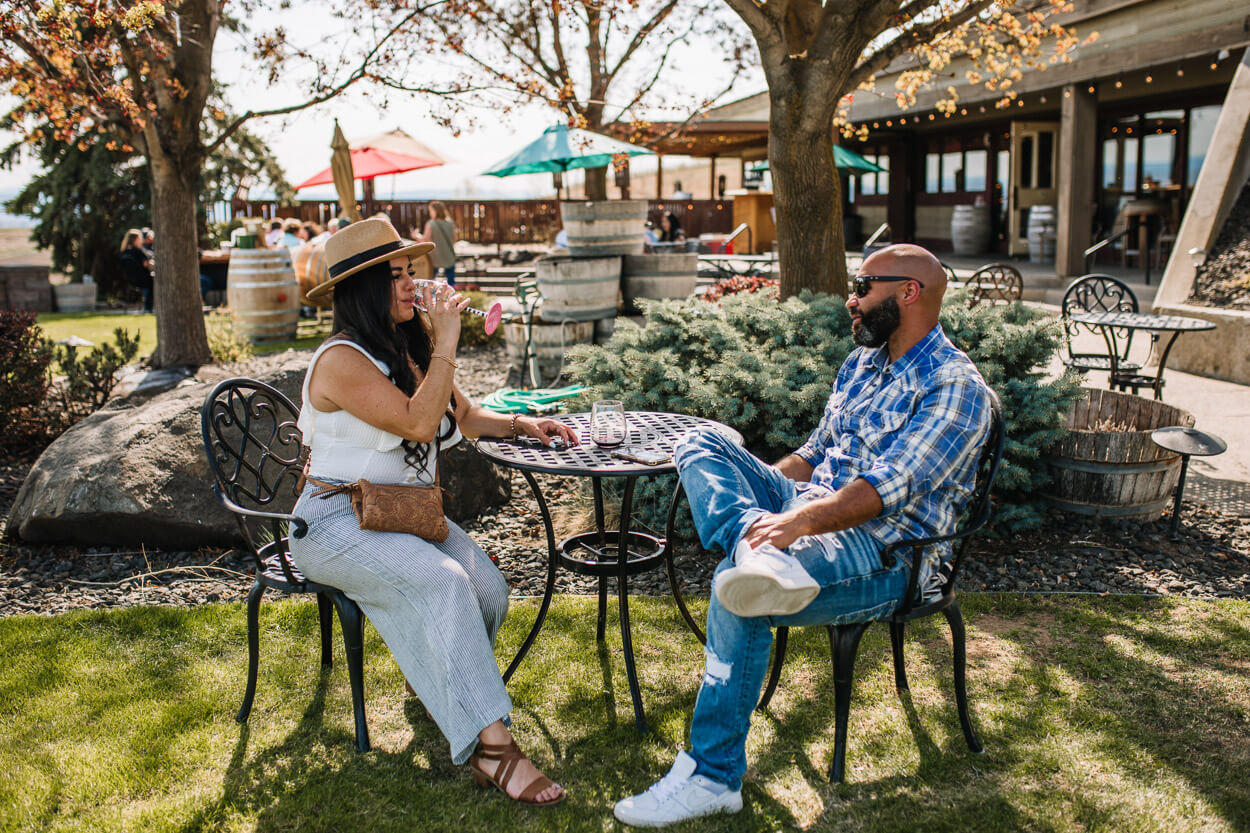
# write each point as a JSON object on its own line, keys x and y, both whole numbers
{"x": 1092, "y": 88}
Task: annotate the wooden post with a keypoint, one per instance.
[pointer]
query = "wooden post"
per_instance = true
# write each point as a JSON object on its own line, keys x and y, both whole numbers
{"x": 659, "y": 176}
{"x": 711, "y": 182}
{"x": 1078, "y": 146}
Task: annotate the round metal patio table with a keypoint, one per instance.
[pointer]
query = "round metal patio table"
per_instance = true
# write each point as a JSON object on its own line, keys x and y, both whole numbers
{"x": 597, "y": 552}
{"x": 1113, "y": 323}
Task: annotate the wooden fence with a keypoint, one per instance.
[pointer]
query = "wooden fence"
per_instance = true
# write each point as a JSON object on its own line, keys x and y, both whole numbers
{"x": 494, "y": 222}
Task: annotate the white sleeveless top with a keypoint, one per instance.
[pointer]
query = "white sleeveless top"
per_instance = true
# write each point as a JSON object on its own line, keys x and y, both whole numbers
{"x": 346, "y": 448}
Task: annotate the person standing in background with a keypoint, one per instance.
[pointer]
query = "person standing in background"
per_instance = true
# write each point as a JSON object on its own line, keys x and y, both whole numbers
{"x": 441, "y": 231}
{"x": 137, "y": 265}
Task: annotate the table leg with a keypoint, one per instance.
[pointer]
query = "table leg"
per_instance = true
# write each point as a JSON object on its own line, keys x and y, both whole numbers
{"x": 627, "y": 644}
{"x": 553, "y": 561}
{"x": 601, "y": 623}
{"x": 672, "y": 568}
{"x": 1163, "y": 360}
{"x": 1108, "y": 337}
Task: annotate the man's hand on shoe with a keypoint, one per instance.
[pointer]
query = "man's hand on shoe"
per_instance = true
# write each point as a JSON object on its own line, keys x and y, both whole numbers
{"x": 780, "y": 529}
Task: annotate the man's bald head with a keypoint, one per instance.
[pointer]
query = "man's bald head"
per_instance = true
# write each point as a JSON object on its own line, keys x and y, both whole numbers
{"x": 912, "y": 261}
{"x": 903, "y": 304}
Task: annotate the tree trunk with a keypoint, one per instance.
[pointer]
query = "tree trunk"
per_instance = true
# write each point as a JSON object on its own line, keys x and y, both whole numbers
{"x": 807, "y": 196}
{"x": 597, "y": 184}
{"x": 180, "y": 335}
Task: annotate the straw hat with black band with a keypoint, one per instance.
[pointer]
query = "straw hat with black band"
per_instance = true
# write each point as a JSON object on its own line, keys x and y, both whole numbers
{"x": 362, "y": 245}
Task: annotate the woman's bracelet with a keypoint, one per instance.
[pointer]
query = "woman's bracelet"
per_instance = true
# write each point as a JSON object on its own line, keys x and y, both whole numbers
{"x": 514, "y": 419}
{"x": 445, "y": 358}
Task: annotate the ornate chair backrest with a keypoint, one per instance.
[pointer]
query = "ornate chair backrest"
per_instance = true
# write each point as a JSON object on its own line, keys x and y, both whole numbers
{"x": 1097, "y": 293}
{"x": 255, "y": 452}
{"x": 995, "y": 282}
{"x": 977, "y": 513}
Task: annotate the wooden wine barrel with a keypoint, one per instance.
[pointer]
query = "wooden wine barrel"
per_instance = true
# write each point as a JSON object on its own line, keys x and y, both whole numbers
{"x": 551, "y": 341}
{"x": 578, "y": 289}
{"x": 1041, "y": 233}
{"x": 1114, "y": 473}
{"x": 658, "y": 277}
{"x": 612, "y": 227}
{"x": 263, "y": 294}
{"x": 311, "y": 270}
{"x": 970, "y": 229}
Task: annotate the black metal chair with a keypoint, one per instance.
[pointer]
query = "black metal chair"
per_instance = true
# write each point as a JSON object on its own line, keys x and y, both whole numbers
{"x": 1097, "y": 293}
{"x": 994, "y": 283}
{"x": 844, "y": 639}
{"x": 255, "y": 453}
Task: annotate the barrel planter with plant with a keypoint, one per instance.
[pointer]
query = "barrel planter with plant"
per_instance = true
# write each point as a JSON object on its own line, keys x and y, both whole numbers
{"x": 658, "y": 277}
{"x": 1106, "y": 464}
{"x": 612, "y": 227}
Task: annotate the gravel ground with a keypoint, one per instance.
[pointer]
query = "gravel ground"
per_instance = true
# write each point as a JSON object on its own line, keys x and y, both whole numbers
{"x": 1224, "y": 280}
{"x": 1210, "y": 558}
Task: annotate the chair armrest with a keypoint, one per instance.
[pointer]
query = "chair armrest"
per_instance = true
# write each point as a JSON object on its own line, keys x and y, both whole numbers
{"x": 299, "y": 527}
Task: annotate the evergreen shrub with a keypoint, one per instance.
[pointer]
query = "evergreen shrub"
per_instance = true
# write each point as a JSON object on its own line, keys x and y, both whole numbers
{"x": 766, "y": 368}
{"x": 24, "y": 358}
{"x": 90, "y": 378}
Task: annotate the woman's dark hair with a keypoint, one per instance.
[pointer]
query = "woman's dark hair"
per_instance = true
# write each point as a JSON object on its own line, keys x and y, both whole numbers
{"x": 362, "y": 314}
{"x": 674, "y": 231}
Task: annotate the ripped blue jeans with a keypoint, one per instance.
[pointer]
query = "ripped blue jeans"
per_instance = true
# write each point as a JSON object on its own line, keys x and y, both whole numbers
{"x": 729, "y": 490}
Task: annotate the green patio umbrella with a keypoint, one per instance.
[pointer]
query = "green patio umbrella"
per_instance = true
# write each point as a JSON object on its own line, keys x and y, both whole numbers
{"x": 843, "y": 160}
{"x": 560, "y": 149}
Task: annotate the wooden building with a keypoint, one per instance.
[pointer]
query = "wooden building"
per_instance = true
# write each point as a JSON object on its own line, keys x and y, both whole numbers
{"x": 1111, "y": 142}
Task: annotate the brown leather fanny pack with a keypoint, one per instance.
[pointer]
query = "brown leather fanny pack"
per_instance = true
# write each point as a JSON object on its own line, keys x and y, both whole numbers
{"x": 416, "y": 510}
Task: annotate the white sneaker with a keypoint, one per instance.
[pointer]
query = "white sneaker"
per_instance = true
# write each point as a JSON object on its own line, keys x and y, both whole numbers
{"x": 678, "y": 796}
{"x": 765, "y": 581}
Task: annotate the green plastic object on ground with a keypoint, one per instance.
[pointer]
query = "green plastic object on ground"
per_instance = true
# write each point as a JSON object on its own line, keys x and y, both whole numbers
{"x": 537, "y": 401}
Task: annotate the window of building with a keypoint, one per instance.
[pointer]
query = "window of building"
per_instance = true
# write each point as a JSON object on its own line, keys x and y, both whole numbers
{"x": 932, "y": 173}
{"x": 1201, "y": 130}
{"x": 952, "y": 171}
{"x": 975, "y": 163}
{"x": 882, "y": 177}
{"x": 1046, "y": 159}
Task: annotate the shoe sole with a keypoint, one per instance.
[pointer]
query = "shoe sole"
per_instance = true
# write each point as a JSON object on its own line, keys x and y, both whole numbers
{"x": 745, "y": 593}
{"x": 642, "y": 821}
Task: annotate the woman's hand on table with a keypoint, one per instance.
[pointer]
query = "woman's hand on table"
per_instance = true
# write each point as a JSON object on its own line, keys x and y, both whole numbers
{"x": 543, "y": 430}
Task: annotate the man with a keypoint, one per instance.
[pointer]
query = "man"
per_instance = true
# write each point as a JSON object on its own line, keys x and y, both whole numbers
{"x": 894, "y": 457}
{"x": 274, "y": 236}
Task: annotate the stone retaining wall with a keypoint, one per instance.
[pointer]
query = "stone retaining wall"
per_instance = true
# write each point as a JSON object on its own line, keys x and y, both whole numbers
{"x": 1220, "y": 353}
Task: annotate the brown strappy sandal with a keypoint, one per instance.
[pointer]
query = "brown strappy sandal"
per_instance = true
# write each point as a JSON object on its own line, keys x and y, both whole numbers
{"x": 508, "y": 755}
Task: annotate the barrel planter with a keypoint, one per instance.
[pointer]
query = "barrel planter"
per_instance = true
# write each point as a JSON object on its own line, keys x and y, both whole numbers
{"x": 1041, "y": 233}
{"x": 551, "y": 340}
{"x": 263, "y": 294}
{"x": 970, "y": 229}
{"x": 658, "y": 277}
{"x": 311, "y": 270}
{"x": 578, "y": 289}
{"x": 612, "y": 227}
{"x": 1114, "y": 473}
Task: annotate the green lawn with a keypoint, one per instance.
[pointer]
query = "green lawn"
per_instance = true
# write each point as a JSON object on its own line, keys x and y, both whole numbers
{"x": 98, "y": 328}
{"x": 1098, "y": 714}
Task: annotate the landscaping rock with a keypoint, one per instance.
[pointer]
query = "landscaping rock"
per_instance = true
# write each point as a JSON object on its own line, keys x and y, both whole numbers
{"x": 134, "y": 472}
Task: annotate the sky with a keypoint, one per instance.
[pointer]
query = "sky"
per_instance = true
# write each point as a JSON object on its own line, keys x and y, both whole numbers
{"x": 301, "y": 141}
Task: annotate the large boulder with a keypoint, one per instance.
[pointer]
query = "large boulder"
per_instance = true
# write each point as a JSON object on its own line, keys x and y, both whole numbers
{"x": 134, "y": 473}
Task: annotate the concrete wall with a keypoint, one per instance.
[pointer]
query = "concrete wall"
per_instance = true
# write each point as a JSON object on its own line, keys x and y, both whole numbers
{"x": 1221, "y": 353}
{"x": 933, "y": 222}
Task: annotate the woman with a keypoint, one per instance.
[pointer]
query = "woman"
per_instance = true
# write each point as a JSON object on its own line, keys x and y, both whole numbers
{"x": 137, "y": 265}
{"x": 670, "y": 229}
{"x": 380, "y": 403}
{"x": 441, "y": 231}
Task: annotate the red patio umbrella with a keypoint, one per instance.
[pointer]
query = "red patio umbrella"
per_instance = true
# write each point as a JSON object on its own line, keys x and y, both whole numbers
{"x": 370, "y": 162}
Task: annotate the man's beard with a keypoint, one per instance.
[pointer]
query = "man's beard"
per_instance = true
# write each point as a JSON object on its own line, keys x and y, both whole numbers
{"x": 877, "y": 324}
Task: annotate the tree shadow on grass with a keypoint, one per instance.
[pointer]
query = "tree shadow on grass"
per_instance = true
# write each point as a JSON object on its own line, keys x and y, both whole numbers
{"x": 1143, "y": 698}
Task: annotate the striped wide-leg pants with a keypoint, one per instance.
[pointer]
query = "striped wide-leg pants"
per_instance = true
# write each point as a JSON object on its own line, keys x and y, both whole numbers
{"x": 438, "y": 607}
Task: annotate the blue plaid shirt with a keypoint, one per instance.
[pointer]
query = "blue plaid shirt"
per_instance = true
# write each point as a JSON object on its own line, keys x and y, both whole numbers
{"x": 912, "y": 429}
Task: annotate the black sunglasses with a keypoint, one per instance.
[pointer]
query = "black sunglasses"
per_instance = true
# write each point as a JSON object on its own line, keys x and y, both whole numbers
{"x": 861, "y": 285}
